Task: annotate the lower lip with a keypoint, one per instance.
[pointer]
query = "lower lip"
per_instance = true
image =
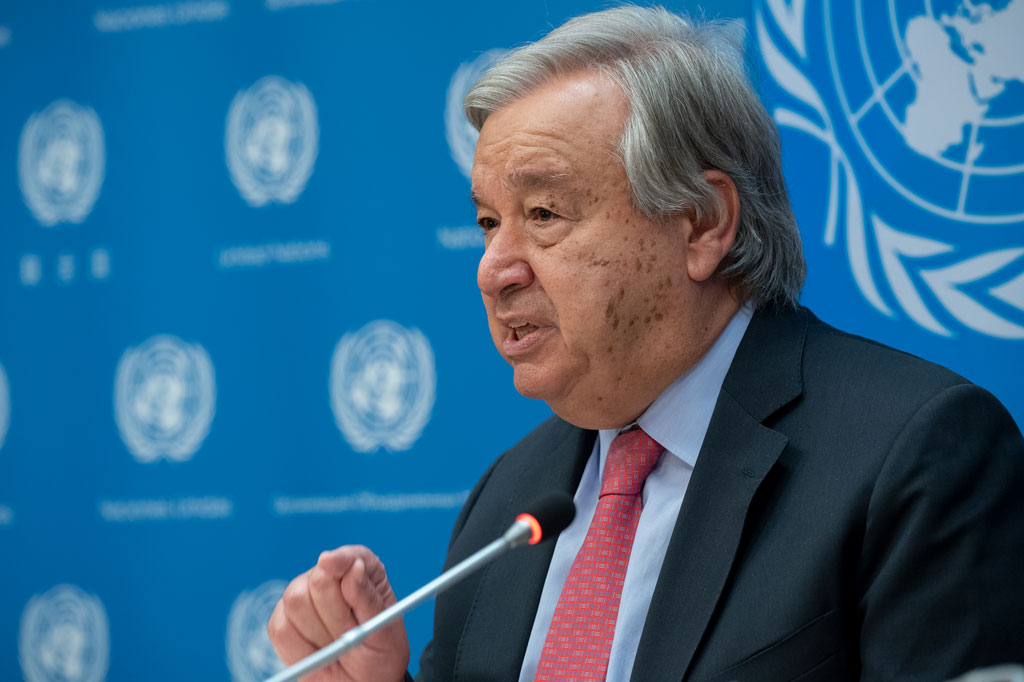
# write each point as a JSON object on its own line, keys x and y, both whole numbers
{"x": 512, "y": 346}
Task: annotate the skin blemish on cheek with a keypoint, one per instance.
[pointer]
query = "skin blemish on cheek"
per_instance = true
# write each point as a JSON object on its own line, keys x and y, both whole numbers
{"x": 640, "y": 265}
{"x": 615, "y": 322}
{"x": 658, "y": 316}
{"x": 610, "y": 310}
{"x": 622, "y": 293}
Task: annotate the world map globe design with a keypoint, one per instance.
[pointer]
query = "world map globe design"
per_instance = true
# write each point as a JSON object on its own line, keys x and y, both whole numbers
{"x": 934, "y": 95}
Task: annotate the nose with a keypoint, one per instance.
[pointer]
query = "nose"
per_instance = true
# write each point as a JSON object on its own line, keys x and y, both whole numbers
{"x": 504, "y": 267}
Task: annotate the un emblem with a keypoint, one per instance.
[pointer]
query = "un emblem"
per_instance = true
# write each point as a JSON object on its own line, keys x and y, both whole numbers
{"x": 64, "y": 637}
{"x": 251, "y": 657}
{"x": 61, "y": 162}
{"x": 271, "y": 140}
{"x": 164, "y": 398}
{"x": 5, "y": 406}
{"x": 382, "y": 386}
{"x": 460, "y": 133}
{"x": 920, "y": 106}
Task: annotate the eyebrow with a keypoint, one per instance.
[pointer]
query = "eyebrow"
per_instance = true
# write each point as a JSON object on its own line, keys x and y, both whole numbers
{"x": 531, "y": 180}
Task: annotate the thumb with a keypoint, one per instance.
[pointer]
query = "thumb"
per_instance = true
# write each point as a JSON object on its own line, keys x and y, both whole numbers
{"x": 366, "y": 589}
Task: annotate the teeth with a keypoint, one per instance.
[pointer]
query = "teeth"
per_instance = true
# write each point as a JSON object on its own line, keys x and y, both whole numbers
{"x": 522, "y": 330}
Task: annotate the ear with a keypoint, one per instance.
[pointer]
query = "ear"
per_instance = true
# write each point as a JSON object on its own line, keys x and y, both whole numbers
{"x": 711, "y": 239}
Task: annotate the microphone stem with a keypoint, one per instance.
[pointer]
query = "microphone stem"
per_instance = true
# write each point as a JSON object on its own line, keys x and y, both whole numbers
{"x": 518, "y": 534}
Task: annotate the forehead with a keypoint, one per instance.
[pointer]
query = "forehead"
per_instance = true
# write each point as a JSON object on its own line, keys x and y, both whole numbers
{"x": 566, "y": 128}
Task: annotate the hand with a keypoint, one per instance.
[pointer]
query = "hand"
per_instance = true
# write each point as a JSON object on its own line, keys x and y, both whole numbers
{"x": 347, "y": 587}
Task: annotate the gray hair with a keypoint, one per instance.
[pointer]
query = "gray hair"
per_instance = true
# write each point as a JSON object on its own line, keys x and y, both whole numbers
{"x": 692, "y": 109}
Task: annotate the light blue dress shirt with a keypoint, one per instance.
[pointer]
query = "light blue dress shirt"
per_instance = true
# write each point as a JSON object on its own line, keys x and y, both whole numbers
{"x": 678, "y": 420}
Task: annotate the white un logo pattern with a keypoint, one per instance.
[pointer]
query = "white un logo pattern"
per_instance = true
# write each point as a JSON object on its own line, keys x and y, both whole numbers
{"x": 64, "y": 637}
{"x": 164, "y": 398}
{"x": 61, "y": 161}
{"x": 271, "y": 140}
{"x": 251, "y": 656}
{"x": 382, "y": 386}
{"x": 460, "y": 134}
{"x": 925, "y": 136}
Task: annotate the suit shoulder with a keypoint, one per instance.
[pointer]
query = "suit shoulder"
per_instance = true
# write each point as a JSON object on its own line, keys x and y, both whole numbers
{"x": 836, "y": 356}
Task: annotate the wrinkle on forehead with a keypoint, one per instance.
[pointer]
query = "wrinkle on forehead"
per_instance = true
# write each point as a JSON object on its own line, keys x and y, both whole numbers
{"x": 546, "y": 140}
{"x": 537, "y": 179}
{"x": 526, "y": 173}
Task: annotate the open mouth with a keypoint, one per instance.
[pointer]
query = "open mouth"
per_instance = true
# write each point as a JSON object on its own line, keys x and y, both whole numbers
{"x": 523, "y": 329}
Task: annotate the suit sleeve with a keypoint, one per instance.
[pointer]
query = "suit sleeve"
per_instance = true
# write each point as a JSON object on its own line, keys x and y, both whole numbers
{"x": 942, "y": 570}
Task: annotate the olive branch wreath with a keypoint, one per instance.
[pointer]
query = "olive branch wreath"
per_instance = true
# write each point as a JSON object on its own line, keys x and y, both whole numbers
{"x": 895, "y": 249}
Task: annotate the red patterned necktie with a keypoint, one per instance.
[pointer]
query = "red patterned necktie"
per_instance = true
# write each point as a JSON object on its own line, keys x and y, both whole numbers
{"x": 580, "y": 637}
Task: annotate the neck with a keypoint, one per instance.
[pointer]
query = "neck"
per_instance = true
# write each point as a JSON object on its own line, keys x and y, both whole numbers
{"x": 690, "y": 341}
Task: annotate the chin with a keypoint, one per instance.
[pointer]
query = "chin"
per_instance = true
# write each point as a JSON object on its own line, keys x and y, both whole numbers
{"x": 539, "y": 385}
{"x": 558, "y": 396}
{"x": 530, "y": 390}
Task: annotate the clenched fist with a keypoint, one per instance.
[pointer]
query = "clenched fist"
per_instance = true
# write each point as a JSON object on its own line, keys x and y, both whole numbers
{"x": 346, "y": 588}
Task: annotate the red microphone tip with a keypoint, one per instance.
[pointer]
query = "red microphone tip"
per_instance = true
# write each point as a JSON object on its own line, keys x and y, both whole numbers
{"x": 535, "y": 536}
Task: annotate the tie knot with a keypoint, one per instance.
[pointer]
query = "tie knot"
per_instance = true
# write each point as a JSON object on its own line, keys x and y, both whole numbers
{"x": 631, "y": 457}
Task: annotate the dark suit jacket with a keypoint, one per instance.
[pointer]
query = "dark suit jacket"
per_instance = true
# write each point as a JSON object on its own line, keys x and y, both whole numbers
{"x": 855, "y": 514}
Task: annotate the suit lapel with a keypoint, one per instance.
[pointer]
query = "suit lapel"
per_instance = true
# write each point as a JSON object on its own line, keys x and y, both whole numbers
{"x": 497, "y": 630}
{"x": 737, "y": 453}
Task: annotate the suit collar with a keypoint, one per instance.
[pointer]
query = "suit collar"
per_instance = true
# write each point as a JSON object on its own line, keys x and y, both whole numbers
{"x": 737, "y": 454}
{"x": 766, "y": 373}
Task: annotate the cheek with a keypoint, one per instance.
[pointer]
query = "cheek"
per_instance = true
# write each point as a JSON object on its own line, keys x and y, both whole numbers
{"x": 632, "y": 306}
{"x": 599, "y": 287}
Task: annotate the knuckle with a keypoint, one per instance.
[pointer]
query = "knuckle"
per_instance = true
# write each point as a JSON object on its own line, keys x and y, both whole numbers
{"x": 294, "y": 596}
{"x": 277, "y": 623}
{"x": 319, "y": 580}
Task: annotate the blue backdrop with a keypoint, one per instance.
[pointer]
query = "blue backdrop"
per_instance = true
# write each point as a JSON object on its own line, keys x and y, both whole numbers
{"x": 238, "y": 314}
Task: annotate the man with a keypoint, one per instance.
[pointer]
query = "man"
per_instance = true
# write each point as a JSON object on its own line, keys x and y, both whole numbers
{"x": 811, "y": 505}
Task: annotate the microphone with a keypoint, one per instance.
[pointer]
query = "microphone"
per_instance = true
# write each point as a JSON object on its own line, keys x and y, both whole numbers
{"x": 545, "y": 518}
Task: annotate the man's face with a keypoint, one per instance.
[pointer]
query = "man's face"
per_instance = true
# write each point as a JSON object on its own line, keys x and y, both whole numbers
{"x": 590, "y": 302}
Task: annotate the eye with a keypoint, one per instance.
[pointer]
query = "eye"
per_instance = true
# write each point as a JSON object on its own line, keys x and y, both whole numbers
{"x": 487, "y": 224}
{"x": 543, "y": 214}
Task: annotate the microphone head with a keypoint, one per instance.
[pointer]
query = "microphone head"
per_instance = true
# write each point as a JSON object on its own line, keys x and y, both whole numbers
{"x": 549, "y": 515}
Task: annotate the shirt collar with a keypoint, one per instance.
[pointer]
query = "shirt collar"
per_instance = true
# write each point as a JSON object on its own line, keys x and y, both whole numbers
{"x": 679, "y": 418}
